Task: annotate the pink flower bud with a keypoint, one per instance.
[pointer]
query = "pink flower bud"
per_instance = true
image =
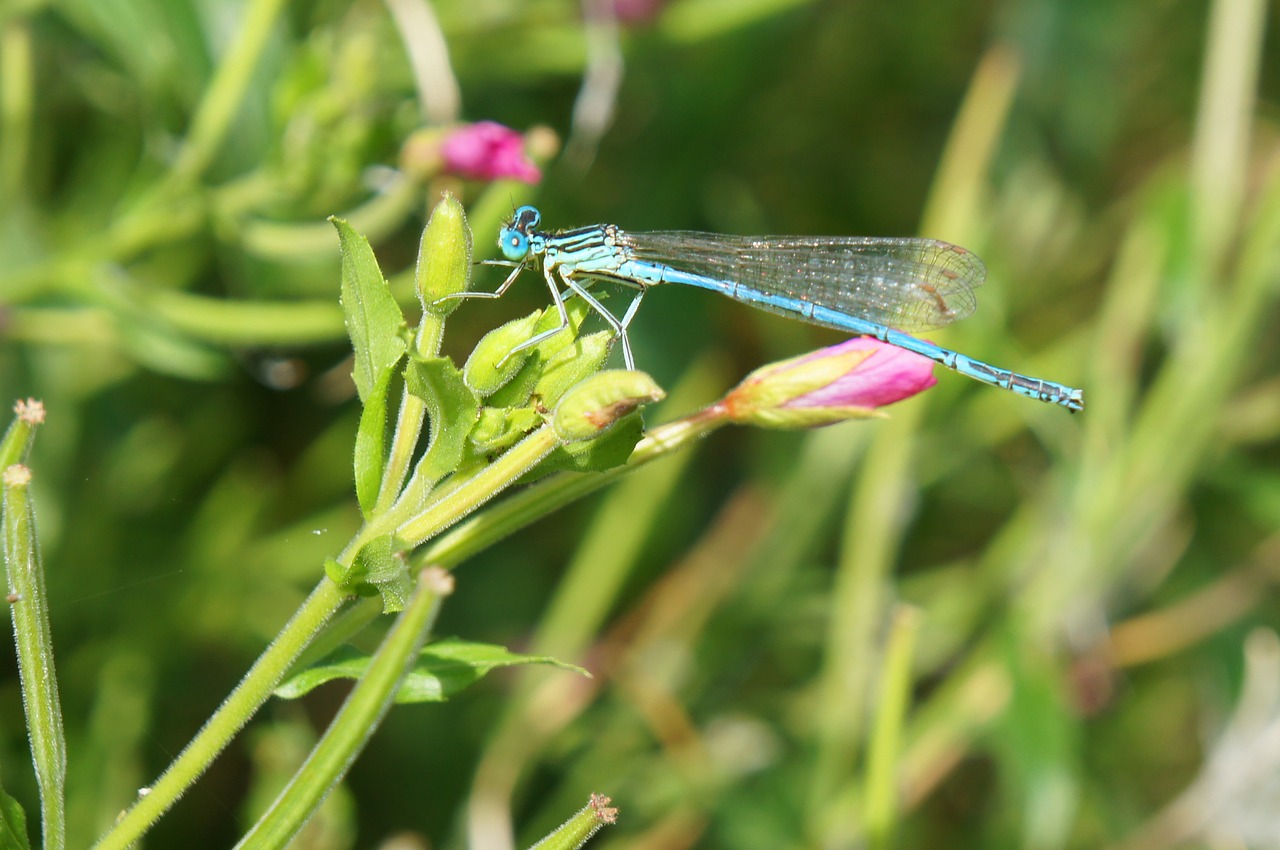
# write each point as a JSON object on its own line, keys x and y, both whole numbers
{"x": 487, "y": 150}
{"x": 846, "y": 381}
{"x": 637, "y": 11}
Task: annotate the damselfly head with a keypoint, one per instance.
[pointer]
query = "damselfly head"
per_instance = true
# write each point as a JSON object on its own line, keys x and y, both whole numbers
{"x": 513, "y": 239}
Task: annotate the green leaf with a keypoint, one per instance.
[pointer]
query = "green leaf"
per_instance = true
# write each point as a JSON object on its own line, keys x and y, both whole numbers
{"x": 348, "y": 579}
{"x": 518, "y": 391}
{"x": 13, "y": 824}
{"x": 610, "y": 449}
{"x": 443, "y": 669}
{"x": 395, "y": 593}
{"x": 371, "y": 438}
{"x": 453, "y": 410}
{"x": 499, "y": 429}
{"x": 339, "y": 573}
{"x": 374, "y": 321}
{"x": 381, "y": 565}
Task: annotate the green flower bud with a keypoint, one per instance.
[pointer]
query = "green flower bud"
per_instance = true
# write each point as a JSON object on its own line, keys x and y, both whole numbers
{"x": 444, "y": 257}
{"x": 571, "y": 365}
{"x": 594, "y": 404}
{"x": 577, "y": 310}
{"x": 492, "y": 364}
{"x": 498, "y": 429}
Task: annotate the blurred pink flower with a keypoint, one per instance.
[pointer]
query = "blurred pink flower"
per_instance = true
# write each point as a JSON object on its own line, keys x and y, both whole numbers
{"x": 846, "y": 381}
{"x": 637, "y": 11}
{"x": 487, "y": 150}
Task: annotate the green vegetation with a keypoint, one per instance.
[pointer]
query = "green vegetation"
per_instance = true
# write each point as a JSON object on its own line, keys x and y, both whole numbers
{"x": 978, "y": 622}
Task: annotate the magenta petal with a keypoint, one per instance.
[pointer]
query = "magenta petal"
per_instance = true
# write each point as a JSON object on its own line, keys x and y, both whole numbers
{"x": 487, "y": 150}
{"x": 888, "y": 374}
{"x": 636, "y": 11}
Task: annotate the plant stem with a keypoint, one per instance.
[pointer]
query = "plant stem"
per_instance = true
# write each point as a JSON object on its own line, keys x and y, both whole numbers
{"x": 524, "y": 508}
{"x": 355, "y": 723}
{"x": 230, "y": 322}
{"x": 443, "y": 267}
{"x": 550, "y": 495}
{"x": 886, "y": 734}
{"x": 409, "y": 421}
{"x": 481, "y": 487}
{"x": 34, "y": 640}
{"x": 223, "y": 97}
{"x": 17, "y": 101}
{"x": 254, "y": 689}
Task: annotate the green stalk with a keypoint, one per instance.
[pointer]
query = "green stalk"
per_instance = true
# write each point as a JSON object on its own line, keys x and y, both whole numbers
{"x": 577, "y": 830}
{"x": 1227, "y": 103}
{"x": 228, "y": 322}
{"x": 532, "y": 503}
{"x": 223, "y": 98}
{"x": 34, "y": 640}
{"x": 17, "y": 102}
{"x": 18, "y": 437}
{"x": 355, "y": 723}
{"x": 550, "y": 495}
{"x": 875, "y": 524}
{"x": 293, "y": 241}
{"x": 858, "y": 600}
{"x": 443, "y": 268}
{"x": 886, "y": 735}
{"x": 480, "y": 488}
{"x": 254, "y": 689}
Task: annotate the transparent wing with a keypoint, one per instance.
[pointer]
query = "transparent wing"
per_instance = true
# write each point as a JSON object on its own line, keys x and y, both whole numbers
{"x": 910, "y": 284}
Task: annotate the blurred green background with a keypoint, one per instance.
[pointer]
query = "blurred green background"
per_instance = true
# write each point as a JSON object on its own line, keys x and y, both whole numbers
{"x": 1089, "y": 598}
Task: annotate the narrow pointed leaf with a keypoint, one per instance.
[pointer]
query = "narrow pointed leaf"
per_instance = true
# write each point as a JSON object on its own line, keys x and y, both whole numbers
{"x": 452, "y": 409}
{"x": 443, "y": 669}
{"x": 13, "y": 824}
{"x": 371, "y": 439}
{"x": 374, "y": 321}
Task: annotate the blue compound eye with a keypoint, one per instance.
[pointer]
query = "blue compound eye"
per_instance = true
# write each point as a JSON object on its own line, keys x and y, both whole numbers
{"x": 514, "y": 244}
{"x": 526, "y": 219}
